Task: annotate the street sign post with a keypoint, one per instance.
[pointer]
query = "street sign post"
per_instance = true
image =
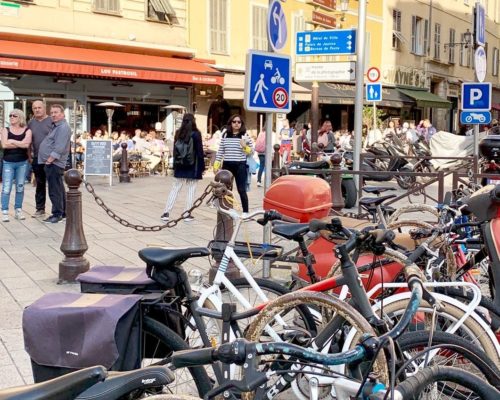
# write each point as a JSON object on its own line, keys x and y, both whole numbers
{"x": 276, "y": 26}
{"x": 373, "y": 92}
{"x": 268, "y": 82}
{"x": 325, "y": 71}
{"x": 475, "y": 117}
{"x": 476, "y": 96}
{"x": 480, "y": 24}
{"x": 326, "y": 42}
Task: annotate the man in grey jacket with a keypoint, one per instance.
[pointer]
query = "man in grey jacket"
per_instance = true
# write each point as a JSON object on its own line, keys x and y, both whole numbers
{"x": 53, "y": 152}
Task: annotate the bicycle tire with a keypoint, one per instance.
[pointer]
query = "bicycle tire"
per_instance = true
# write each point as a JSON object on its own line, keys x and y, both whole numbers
{"x": 172, "y": 397}
{"x": 471, "y": 324}
{"x": 169, "y": 342}
{"x": 464, "y": 349}
{"x": 415, "y": 387}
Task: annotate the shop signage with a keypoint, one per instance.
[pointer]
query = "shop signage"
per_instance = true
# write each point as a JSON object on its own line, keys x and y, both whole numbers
{"x": 98, "y": 158}
{"x": 326, "y": 4}
{"x": 325, "y": 71}
{"x": 404, "y": 76}
{"x": 453, "y": 91}
{"x": 325, "y": 20}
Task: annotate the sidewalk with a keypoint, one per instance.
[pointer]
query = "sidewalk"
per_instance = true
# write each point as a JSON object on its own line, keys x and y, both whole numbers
{"x": 30, "y": 255}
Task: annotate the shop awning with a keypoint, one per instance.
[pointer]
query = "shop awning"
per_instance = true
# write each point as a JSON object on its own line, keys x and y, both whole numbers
{"x": 426, "y": 99}
{"x": 343, "y": 93}
{"x": 234, "y": 86}
{"x": 45, "y": 58}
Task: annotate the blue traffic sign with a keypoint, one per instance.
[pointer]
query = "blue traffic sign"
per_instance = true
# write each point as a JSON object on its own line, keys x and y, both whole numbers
{"x": 268, "y": 82}
{"x": 480, "y": 24}
{"x": 373, "y": 92}
{"x": 476, "y": 96}
{"x": 276, "y": 26}
{"x": 475, "y": 117}
{"x": 333, "y": 42}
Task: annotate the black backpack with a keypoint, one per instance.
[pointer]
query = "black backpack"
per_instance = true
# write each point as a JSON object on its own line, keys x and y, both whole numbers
{"x": 184, "y": 152}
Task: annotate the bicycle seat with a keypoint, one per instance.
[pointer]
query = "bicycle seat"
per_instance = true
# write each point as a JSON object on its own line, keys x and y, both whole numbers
{"x": 170, "y": 258}
{"x": 310, "y": 164}
{"x": 374, "y": 201}
{"x": 377, "y": 189}
{"x": 119, "y": 384}
{"x": 291, "y": 231}
{"x": 65, "y": 387}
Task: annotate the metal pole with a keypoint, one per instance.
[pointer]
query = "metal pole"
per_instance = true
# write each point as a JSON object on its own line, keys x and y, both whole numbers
{"x": 266, "y": 268}
{"x": 360, "y": 72}
{"x": 374, "y": 117}
{"x": 73, "y": 158}
{"x": 314, "y": 117}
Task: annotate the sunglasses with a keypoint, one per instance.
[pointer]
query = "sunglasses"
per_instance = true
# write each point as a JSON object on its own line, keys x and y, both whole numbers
{"x": 13, "y": 116}
{"x": 235, "y": 122}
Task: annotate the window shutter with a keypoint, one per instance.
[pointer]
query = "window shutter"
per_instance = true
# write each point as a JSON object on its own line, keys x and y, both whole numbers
{"x": 424, "y": 51}
{"x": 413, "y": 34}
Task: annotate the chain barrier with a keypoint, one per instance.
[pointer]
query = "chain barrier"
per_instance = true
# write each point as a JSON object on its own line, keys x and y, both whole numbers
{"x": 212, "y": 188}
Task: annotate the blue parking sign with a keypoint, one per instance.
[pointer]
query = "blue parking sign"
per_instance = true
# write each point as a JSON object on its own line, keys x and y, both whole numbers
{"x": 476, "y": 96}
{"x": 268, "y": 82}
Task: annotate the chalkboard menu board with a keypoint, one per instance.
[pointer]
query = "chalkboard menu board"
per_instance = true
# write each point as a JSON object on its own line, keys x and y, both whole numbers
{"x": 98, "y": 158}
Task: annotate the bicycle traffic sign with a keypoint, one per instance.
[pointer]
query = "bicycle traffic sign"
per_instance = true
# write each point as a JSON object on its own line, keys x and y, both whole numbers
{"x": 268, "y": 82}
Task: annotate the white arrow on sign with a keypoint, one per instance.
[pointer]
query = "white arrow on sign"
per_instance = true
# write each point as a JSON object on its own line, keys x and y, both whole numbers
{"x": 277, "y": 21}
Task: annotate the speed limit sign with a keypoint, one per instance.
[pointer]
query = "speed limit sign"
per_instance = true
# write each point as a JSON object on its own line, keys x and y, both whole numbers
{"x": 373, "y": 74}
{"x": 280, "y": 97}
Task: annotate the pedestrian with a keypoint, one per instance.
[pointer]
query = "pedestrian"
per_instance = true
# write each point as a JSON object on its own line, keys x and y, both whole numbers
{"x": 286, "y": 135}
{"x": 495, "y": 128}
{"x": 16, "y": 140}
{"x": 188, "y": 164}
{"x": 234, "y": 148}
{"x": 429, "y": 130}
{"x": 326, "y": 137}
{"x": 40, "y": 126}
{"x": 260, "y": 148}
{"x": 54, "y": 152}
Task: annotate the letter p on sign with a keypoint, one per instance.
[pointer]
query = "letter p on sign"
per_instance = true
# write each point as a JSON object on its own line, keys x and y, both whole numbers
{"x": 475, "y": 95}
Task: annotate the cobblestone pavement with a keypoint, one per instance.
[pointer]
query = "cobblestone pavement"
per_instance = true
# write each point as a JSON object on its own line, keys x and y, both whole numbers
{"x": 30, "y": 255}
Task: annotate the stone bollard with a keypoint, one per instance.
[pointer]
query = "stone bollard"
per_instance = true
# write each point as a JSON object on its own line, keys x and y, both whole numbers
{"x": 224, "y": 229}
{"x": 74, "y": 244}
{"x": 124, "y": 176}
{"x": 276, "y": 157}
{"x": 336, "y": 183}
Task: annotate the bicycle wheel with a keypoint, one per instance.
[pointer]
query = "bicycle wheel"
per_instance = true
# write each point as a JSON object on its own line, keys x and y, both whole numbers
{"x": 439, "y": 382}
{"x": 453, "y": 351}
{"x": 159, "y": 342}
{"x": 353, "y": 321}
{"x": 472, "y": 329}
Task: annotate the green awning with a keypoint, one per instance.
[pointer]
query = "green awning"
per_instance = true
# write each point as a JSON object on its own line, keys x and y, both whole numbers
{"x": 426, "y": 99}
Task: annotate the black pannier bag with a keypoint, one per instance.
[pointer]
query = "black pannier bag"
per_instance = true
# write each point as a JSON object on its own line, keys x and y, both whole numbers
{"x": 64, "y": 332}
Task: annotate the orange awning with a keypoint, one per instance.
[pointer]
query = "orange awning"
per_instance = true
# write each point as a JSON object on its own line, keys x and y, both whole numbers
{"x": 22, "y": 56}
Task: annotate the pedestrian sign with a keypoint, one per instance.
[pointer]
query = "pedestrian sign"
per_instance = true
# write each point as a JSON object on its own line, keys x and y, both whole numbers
{"x": 476, "y": 96}
{"x": 373, "y": 92}
{"x": 268, "y": 82}
{"x": 276, "y": 26}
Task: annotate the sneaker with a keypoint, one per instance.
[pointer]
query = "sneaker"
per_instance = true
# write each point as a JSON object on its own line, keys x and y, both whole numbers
{"x": 189, "y": 219}
{"x": 19, "y": 214}
{"x": 52, "y": 219}
{"x": 259, "y": 184}
{"x": 38, "y": 214}
{"x": 164, "y": 217}
{"x": 5, "y": 216}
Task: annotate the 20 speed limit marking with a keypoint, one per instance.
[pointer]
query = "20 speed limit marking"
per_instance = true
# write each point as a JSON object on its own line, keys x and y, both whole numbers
{"x": 280, "y": 97}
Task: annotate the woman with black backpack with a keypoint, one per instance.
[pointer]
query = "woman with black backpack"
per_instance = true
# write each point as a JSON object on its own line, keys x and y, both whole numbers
{"x": 188, "y": 163}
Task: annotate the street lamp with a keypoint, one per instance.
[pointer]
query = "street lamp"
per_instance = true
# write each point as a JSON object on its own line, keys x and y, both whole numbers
{"x": 468, "y": 39}
{"x": 344, "y": 5}
{"x": 110, "y": 110}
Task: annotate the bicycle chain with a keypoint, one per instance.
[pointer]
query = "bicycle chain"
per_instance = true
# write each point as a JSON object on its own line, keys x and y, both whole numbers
{"x": 155, "y": 228}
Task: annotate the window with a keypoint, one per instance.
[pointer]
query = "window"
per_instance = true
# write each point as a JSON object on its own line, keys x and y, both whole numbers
{"x": 107, "y": 6}
{"x": 259, "y": 28}
{"x": 419, "y": 35}
{"x": 465, "y": 53}
{"x": 496, "y": 61}
{"x": 451, "y": 48}
{"x": 437, "y": 41}
{"x": 396, "y": 29}
{"x": 427, "y": 28}
{"x": 218, "y": 26}
{"x": 161, "y": 11}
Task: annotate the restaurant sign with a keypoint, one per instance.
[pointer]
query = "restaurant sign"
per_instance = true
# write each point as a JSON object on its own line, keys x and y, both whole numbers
{"x": 323, "y": 19}
{"x": 326, "y": 4}
{"x": 405, "y": 76}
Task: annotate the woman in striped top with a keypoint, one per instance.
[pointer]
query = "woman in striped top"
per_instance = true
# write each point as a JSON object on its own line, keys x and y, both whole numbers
{"x": 234, "y": 148}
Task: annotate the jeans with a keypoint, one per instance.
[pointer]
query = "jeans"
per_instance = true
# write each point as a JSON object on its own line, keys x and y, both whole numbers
{"x": 41, "y": 185}
{"x": 262, "y": 166}
{"x": 239, "y": 171}
{"x": 57, "y": 194}
{"x": 13, "y": 171}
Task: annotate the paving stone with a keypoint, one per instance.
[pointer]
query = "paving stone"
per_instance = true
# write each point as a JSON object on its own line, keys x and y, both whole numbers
{"x": 10, "y": 377}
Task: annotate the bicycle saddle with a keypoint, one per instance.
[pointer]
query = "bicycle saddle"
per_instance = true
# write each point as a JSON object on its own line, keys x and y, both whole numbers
{"x": 374, "y": 201}
{"x": 119, "y": 384}
{"x": 291, "y": 231}
{"x": 310, "y": 164}
{"x": 377, "y": 189}
{"x": 170, "y": 258}
{"x": 65, "y": 387}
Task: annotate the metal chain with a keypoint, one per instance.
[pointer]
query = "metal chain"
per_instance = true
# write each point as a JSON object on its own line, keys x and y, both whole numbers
{"x": 155, "y": 228}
